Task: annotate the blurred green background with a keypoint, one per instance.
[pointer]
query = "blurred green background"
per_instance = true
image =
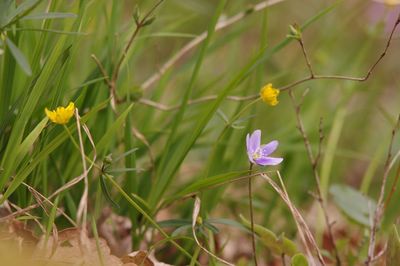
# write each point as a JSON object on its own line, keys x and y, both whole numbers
{"x": 357, "y": 116}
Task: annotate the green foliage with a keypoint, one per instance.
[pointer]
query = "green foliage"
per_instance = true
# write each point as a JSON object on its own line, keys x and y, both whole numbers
{"x": 355, "y": 205}
{"x": 299, "y": 260}
{"x": 277, "y": 245}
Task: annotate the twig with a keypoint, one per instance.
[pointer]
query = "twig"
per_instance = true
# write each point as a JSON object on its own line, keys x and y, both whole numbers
{"x": 321, "y": 139}
{"x": 199, "y": 39}
{"x": 314, "y": 164}
{"x": 380, "y": 205}
{"x": 303, "y": 49}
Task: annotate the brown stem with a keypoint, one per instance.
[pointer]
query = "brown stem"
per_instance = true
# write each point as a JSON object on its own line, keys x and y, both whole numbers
{"x": 303, "y": 49}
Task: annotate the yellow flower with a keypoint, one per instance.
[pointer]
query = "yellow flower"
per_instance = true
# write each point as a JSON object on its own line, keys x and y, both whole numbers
{"x": 269, "y": 94}
{"x": 62, "y": 114}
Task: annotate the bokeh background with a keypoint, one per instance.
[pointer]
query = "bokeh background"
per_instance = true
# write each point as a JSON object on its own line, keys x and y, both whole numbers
{"x": 357, "y": 117}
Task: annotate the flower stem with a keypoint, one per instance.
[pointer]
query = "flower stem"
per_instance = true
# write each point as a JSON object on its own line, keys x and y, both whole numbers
{"x": 253, "y": 238}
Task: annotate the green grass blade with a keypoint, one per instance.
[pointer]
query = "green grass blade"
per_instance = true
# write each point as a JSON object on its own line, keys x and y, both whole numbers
{"x": 50, "y": 15}
{"x": 30, "y": 139}
{"x": 163, "y": 182}
{"x": 19, "y": 57}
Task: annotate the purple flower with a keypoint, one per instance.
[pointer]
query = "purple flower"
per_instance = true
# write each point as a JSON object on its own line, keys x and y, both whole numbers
{"x": 259, "y": 154}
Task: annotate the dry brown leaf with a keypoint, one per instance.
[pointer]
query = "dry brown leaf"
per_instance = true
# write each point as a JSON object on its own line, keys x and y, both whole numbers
{"x": 69, "y": 250}
{"x": 138, "y": 258}
{"x": 142, "y": 258}
{"x": 18, "y": 246}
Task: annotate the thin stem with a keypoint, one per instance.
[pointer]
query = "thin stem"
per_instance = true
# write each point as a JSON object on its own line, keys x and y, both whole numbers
{"x": 303, "y": 49}
{"x": 253, "y": 237}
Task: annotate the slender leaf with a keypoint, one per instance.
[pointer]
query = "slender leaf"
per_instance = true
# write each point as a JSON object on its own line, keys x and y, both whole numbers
{"x": 19, "y": 57}
{"x": 50, "y": 15}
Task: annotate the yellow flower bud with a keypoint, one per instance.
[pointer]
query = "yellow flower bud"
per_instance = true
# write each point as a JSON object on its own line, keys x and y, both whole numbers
{"x": 269, "y": 94}
{"x": 61, "y": 115}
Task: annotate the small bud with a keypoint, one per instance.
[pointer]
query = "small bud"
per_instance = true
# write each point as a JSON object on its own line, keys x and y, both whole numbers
{"x": 249, "y": 10}
{"x": 136, "y": 93}
{"x": 294, "y": 32}
{"x": 136, "y": 14}
{"x": 108, "y": 159}
{"x": 199, "y": 220}
{"x": 149, "y": 21}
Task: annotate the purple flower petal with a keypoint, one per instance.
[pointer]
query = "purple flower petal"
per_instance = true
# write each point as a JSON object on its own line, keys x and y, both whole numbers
{"x": 268, "y": 161}
{"x": 269, "y": 148}
{"x": 254, "y": 141}
{"x": 248, "y": 143}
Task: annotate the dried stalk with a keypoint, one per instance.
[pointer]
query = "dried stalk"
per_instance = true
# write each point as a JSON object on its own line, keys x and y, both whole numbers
{"x": 381, "y": 203}
{"x": 304, "y": 232}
